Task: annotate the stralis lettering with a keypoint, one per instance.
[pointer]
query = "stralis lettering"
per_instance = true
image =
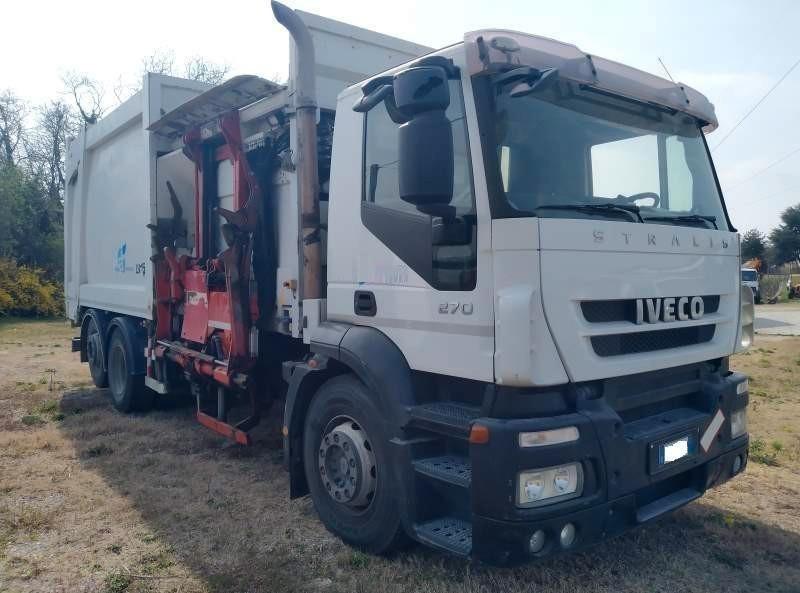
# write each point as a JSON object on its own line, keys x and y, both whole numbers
{"x": 669, "y": 309}
{"x": 601, "y": 236}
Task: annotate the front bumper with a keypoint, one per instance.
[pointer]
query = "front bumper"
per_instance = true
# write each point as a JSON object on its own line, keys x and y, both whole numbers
{"x": 503, "y": 542}
{"x": 624, "y": 485}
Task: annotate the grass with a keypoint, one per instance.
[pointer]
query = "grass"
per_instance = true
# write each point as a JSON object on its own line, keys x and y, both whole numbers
{"x": 98, "y": 501}
{"x": 760, "y": 453}
{"x": 117, "y": 582}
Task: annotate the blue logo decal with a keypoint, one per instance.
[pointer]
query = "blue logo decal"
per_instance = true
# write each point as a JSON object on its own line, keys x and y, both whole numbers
{"x": 119, "y": 263}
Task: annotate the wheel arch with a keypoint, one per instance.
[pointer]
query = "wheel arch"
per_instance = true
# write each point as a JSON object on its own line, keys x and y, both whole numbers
{"x": 368, "y": 354}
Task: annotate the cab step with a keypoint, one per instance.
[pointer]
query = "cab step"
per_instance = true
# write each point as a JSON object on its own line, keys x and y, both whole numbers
{"x": 447, "y": 534}
{"x": 447, "y": 418}
{"x": 452, "y": 469}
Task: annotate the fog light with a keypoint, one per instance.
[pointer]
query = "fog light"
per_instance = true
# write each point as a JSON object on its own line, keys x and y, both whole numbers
{"x": 737, "y": 464}
{"x": 538, "y": 487}
{"x": 567, "y": 536}
{"x": 536, "y": 543}
{"x": 738, "y": 423}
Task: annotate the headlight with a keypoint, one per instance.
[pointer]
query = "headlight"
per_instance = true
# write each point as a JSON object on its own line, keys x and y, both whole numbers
{"x": 546, "y": 486}
{"x": 743, "y": 387}
{"x": 747, "y": 314}
{"x": 549, "y": 437}
{"x": 738, "y": 423}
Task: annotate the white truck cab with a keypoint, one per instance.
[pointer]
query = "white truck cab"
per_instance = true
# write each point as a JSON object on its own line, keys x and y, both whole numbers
{"x": 493, "y": 288}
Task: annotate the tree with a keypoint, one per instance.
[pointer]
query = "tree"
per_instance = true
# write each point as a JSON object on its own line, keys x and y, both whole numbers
{"x": 164, "y": 62}
{"x": 195, "y": 68}
{"x": 754, "y": 245}
{"x": 785, "y": 238}
{"x": 12, "y": 126}
{"x": 159, "y": 62}
{"x": 48, "y": 146}
{"x": 198, "y": 68}
{"x": 88, "y": 94}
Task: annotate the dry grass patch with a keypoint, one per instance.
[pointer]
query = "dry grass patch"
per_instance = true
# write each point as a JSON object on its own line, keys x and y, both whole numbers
{"x": 99, "y": 502}
{"x": 774, "y": 418}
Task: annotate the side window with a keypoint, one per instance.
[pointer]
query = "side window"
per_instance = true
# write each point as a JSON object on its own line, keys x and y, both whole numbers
{"x": 440, "y": 248}
{"x": 627, "y": 167}
{"x": 381, "y": 161}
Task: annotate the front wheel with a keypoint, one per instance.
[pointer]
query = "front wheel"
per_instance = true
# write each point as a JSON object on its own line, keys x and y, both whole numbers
{"x": 345, "y": 453}
{"x": 128, "y": 393}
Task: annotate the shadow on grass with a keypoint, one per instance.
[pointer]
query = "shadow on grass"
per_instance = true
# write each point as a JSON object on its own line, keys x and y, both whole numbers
{"x": 224, "y": 512}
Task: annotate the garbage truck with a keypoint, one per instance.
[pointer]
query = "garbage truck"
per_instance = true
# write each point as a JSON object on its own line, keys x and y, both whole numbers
{"x": 492, "y": 290}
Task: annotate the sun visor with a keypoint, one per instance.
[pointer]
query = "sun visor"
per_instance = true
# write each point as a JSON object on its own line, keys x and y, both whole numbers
{"x": 489, "y": 51}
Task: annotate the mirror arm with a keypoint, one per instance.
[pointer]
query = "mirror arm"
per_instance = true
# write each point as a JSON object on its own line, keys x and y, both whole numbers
{"x": 383, "y": 93}
{"x": 516, "y": 75}
{"x": 370, "y": 100}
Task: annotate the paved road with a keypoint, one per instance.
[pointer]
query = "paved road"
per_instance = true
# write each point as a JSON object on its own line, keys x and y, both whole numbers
{"x": 780, "y": 320}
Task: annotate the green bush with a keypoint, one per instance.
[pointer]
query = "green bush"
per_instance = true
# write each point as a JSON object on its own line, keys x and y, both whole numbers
{"x": 26, "y": 292}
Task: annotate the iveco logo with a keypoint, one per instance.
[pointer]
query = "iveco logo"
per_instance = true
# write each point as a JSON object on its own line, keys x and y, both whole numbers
{"x": 669, "y": 309}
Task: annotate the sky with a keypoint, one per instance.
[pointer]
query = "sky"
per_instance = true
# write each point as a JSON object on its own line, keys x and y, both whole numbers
{"x": 733, "y": 51}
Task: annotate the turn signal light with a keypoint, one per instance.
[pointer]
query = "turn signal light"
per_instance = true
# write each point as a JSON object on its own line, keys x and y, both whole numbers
{"x": 479, "y": 434}
{"x": 554, "y": 436}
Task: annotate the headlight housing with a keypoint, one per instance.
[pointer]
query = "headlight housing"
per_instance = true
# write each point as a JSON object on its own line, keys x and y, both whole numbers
{"x": 738, "y": 423}
{"x": 747, "y": 315}
{"x": 538, "y": 487}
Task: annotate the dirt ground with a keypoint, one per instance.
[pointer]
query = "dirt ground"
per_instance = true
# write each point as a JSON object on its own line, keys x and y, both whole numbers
{"x": 93, "y": 501}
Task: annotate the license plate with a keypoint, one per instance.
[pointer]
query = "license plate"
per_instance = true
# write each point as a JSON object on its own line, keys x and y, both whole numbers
{"x": 674, "y": 450}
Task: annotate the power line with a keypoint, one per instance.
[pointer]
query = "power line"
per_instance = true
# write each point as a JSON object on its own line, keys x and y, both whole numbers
{"x": 772, "y": 164}
{"x": 767, "y": 197}
{"x": 760, "y": 101}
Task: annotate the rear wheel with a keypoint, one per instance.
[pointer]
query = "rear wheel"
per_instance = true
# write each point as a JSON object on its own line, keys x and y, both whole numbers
{"x": 128, "y": 393}
{"x": 345, "y": 453}
{"x": 94, "y": 354}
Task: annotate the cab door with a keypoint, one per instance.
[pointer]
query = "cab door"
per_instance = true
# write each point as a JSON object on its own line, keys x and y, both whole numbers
{"x": 417, "y": 274}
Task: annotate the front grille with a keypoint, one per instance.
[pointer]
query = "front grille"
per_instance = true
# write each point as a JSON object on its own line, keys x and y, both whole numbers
{"x": 625, "y": 309}
{"x": 650, "y": 341}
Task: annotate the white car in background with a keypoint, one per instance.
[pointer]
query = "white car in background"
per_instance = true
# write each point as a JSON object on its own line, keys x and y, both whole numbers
{"x": 750, "y": 278}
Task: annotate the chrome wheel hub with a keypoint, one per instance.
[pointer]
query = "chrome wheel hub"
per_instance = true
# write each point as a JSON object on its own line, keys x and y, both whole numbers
{"x": 347, "y": 463}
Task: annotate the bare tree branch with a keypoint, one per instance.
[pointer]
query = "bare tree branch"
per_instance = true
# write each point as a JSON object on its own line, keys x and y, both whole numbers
{"x": 122, "y": 91}
{"x": 198, "y": 68}
{"x": 162, "y": 61}
{"x": 88, "y": 95}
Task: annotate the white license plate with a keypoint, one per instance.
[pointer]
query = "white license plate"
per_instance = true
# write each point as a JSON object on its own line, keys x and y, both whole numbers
{"x": 675, "y": 450}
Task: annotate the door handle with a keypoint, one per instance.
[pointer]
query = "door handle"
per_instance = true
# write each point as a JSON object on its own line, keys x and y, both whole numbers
{"x": 364, "y": 303}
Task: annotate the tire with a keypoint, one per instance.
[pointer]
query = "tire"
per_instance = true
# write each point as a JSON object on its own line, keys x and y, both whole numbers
{"x": 128, "y": 393}
{"x": 373, "y": 526}
{"x": 94, "y": 353}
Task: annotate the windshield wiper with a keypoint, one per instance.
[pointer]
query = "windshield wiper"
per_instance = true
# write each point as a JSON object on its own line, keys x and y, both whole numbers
{"x": 630, "y": 209}
{"x": 686, "y": 218}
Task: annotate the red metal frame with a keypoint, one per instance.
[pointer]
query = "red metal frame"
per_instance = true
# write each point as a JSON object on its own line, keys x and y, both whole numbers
{"x": 211, "y": 313}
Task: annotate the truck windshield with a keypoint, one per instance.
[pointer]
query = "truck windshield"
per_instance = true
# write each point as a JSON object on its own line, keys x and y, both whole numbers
{"x": 565, "y": 150}
{"x": 749, "y": 275}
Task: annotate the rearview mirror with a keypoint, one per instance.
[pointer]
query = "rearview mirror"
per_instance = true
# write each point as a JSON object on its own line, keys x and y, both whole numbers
{"x": 425, "y": 168}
